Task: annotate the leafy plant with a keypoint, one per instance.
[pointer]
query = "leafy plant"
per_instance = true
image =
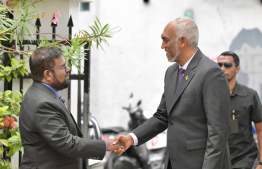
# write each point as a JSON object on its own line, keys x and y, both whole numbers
{"x": 12, "y": 35}
{"x": 10, "y": 139}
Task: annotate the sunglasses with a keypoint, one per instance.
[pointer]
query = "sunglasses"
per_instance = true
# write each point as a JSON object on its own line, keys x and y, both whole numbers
{"x": 226, "y": 64}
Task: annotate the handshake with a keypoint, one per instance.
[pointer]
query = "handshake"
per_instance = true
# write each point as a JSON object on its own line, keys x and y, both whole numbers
{"x": 119, "y": 144}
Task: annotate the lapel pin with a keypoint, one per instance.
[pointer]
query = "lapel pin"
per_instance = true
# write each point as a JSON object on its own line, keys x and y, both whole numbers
{"x": 186, "y": 77}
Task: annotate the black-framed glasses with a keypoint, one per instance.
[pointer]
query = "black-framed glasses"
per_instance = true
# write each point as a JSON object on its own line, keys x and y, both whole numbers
{"x": 226, "y": 64}
{"x": 60, "y": 67}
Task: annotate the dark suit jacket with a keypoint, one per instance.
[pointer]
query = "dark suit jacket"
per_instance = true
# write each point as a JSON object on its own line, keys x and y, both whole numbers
{"x": 50, "y": 136}
{"x": 196, "y": 116}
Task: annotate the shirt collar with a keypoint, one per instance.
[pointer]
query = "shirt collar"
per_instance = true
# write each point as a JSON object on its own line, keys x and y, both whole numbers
{"x": 50, "y": 87}
{"x": 238, "y": 90}
{"x": 187, "y": 63}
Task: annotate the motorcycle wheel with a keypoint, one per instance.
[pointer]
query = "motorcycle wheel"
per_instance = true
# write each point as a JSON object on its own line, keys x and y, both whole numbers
{"x": 121, "y": 162}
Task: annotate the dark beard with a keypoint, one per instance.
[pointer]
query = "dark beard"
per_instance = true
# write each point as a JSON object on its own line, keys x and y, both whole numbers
{"x": 60, "y": 86}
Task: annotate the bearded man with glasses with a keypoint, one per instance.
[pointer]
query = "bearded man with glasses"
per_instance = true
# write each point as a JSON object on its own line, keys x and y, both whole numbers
{"x": 49, "y": 133}
{"x": 245, "y": 107}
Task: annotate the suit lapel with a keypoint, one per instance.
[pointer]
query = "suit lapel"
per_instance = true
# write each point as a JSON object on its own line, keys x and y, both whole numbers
{"x": 78, "y": 129}
{"x": 174, "y": 81}
{"x": 46, "y": 89}
{"x": 79, "y": 132}
{"x": 188, "y": 76}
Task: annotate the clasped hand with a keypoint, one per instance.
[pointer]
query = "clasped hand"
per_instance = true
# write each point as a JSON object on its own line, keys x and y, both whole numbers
{"x": 126, "y": 140}
{"x": 120, "y": 144}
{"x": 118, "y": 147}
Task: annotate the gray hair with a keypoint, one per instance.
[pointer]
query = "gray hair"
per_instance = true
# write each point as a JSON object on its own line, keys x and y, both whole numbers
{"x": 186, "y": 27}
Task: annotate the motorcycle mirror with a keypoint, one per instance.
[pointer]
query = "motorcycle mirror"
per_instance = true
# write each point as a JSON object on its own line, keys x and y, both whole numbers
{"x": 130, "y": 99}
{"x": 139, "y": 102}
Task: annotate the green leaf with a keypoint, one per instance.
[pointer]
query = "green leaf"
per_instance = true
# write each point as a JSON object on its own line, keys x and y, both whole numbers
{"x": 5, "y": 113}
{"x": 23, "y": 13}
{"x": 4, "y": 142}
{"x": 26, "y": 8}
{"x": 4, "y": 108}
{"x": 12, "y": 36}
{"x": 105, "y": 28}
{"x": 8, "y": 68}
{"x": 13, "y": 133}
{"x": 14, "y": 63}
{"x": 3, "y": 163}
{"x": 8, "y": 78}
{"x": 8, "y": 93}
{"x": 11, "y": 152}
{"x": 92, "y": 29}
{"x": 98, "y": 22}
{"x": 1, "y": 149}
{"x": 16, "y": 147}
{"x": 15, "y": 73}
{"x": 14, "y": 139}
{"x": 22, "y": 71}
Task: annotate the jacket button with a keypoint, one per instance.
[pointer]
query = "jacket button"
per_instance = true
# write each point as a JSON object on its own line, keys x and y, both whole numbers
{"x": 170, "y": 123}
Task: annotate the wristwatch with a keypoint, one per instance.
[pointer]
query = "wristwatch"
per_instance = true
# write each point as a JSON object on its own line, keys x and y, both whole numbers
{"x": 259, "y": 163}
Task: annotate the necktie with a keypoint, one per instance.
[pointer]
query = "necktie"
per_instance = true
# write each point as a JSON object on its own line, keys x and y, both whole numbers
{"x": 180, "y": 75}
{"x": 63, "y": 101}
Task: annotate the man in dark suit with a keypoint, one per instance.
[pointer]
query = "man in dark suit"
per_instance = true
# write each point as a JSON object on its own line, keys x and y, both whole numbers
{"x": 194, "y": 106}
{"x": 50, "y": 135}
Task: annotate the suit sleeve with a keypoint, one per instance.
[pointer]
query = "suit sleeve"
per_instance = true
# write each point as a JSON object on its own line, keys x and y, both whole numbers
{"x": 216, "y": 99}
{"x": 51, "y": 125}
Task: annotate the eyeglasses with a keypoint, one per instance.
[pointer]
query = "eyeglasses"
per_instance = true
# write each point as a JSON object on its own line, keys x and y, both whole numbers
{"x": 61, "y": 67}
{"x": 226, "y": 64}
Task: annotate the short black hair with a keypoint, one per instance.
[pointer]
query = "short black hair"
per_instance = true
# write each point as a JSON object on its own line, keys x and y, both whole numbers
{"x": 42, "y": 59}
{"x": 234, "y": 55}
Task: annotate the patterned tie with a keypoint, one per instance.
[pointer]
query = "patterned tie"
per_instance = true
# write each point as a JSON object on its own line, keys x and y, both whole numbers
{"x": 63, "y": 101}
{"x": 180, "y": 75}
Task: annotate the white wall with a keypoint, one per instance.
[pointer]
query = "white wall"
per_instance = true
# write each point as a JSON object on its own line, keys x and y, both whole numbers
{"x": 134, "y": 61}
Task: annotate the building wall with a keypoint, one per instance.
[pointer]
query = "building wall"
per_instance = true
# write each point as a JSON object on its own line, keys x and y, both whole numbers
{"x": 134, "y": 61}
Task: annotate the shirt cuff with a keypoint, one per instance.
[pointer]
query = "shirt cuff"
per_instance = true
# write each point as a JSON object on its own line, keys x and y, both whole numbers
{"x": 106, "y": 145}
{"x": 134, "y": 138}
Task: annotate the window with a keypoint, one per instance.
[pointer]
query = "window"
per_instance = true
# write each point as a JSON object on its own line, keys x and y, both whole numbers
{"x": 84, "y": 6}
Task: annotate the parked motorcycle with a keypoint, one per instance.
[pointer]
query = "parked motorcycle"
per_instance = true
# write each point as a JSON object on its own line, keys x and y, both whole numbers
{"x": 146, "y": 156}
